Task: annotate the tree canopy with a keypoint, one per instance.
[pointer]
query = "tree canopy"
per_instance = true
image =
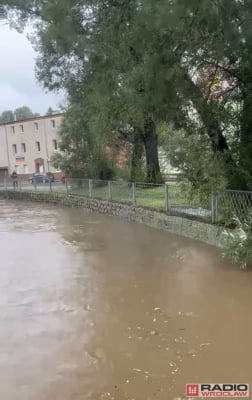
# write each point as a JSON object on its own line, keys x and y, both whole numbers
{"x": 19, "y": 114}
{"x": 132, "y": 65}
{"x": 24, "y": 113}
{"x": 7, "y": 116}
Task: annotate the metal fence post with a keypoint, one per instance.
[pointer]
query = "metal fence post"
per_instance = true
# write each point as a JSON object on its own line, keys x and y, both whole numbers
{"x": 90, "y": 184}
{"x": 66, "y": 185}
{"x": 134, "y": 193}
{"x": 167, "y": 203}
{"x": 109, "y": 191}
{"x": 214, "y": 207}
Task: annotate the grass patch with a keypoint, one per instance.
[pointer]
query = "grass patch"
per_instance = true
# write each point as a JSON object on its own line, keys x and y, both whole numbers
{"x": 181, "y": 198}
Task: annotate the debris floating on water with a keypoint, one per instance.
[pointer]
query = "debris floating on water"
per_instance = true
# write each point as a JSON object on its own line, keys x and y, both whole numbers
{"x": 205, "y": 345}
{"x": 153, "y": 333}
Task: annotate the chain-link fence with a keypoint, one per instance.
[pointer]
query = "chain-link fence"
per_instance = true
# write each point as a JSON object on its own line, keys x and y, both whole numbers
{"x": 232, "y": 204}
{"x": 80, "y": 187}
{"x": 175, "y": 198}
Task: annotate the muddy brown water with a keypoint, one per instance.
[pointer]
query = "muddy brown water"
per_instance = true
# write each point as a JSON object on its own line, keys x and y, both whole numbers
{"x": 92, "y": 307}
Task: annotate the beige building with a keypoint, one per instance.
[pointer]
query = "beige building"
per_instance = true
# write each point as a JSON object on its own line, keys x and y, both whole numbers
{"x": 27, "y": 146}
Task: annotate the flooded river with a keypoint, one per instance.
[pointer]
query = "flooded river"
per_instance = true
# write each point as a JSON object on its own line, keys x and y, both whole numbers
{"x": 95, "y": 308}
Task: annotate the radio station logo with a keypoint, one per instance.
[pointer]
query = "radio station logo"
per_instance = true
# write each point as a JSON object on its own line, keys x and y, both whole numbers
{"x": 212, "y": 390}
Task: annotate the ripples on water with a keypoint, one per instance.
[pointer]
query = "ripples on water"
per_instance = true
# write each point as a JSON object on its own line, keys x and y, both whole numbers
{"x": 26, "y": 218}
{"x": 96, "y": 308}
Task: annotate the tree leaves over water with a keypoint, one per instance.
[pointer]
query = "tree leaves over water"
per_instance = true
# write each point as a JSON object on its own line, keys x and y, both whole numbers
{"x": 129, "y": 66}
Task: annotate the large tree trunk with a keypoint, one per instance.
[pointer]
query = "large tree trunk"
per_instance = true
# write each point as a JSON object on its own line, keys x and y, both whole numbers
{"x": 214, "y": 131}
{"x": 246, "y": 142}
{"x": 207, "y": 116}
{"x": 150, "y": 140}
{"x": 137, "y": 157}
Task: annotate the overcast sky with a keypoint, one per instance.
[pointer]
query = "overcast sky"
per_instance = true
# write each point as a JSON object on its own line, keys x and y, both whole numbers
{"x": 18, "y": 85}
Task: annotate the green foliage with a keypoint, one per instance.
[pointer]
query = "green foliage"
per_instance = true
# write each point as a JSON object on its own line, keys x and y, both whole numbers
{"x": 122, "y": 174}
{"x": 107, "y": 78}
{"x": 138, "y": 174}
{"x": 181, "y": 62}
{"x": 19, "y": 114}
{"x": 239, "y": 243}
{"x": 7, "y": 116}
{"x": 61, "y": 162}
{"x": 83, "y": 154}
{"x": 24, "y": 112}
{"x": 19, "y": 12}
{"x": 192, "y": 155}
{"x": 50, "y": 111}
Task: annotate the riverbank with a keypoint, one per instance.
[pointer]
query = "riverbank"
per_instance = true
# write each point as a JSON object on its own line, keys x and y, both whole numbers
{"x": 206, "y": 233}
{"x": 91, "y": 304}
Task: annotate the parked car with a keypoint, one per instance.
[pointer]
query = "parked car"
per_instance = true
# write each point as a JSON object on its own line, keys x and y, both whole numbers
{"x": 41, "y": 178}
{"x": 50, "y": 174}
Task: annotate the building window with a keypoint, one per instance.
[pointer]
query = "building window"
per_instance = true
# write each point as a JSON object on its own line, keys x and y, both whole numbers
{"x": 38, "y": 146}
{"x": 26, "y": 171}
{"x": 22, "y": 128}
{"x": 36, "y": 126}
{"x": 23, "y": 147}
{"x": 17, "y": 169}
{"x": 14, "y": 149}
{"x": 13, "y": 129}
{"x": 55, "y": 144}
{"x": 53, "y": 123}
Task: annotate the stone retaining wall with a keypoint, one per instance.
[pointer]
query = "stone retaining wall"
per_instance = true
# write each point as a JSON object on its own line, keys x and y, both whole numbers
{"x": 203, "y": 232}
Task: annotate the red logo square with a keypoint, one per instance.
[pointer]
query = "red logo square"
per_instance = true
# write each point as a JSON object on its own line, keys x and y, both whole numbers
{"x": 192, "y": 390}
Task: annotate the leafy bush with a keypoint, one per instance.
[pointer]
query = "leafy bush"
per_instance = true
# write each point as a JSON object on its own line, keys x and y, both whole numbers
{"x": 192, "y": 155}
{"x": 238, "y": 244}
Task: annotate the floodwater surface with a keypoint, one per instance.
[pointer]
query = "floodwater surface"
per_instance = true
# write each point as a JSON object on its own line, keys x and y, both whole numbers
{"x": 93, "y": 308}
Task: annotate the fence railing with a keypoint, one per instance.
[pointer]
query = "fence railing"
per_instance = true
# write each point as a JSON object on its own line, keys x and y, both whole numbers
{"x": 175, "y": 198}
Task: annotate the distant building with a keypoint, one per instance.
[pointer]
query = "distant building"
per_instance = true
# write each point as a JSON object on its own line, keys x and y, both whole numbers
{"x": 27, "y": 146}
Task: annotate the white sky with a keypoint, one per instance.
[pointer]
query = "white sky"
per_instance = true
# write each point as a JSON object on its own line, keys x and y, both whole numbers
{"x": 18, "y": 86}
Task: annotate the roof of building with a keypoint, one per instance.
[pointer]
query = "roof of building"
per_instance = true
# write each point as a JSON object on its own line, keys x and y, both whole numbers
{"x": 32, "y": 119}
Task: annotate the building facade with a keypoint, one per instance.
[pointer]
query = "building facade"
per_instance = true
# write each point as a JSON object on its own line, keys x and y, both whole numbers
{"x": 28, "y": 146}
